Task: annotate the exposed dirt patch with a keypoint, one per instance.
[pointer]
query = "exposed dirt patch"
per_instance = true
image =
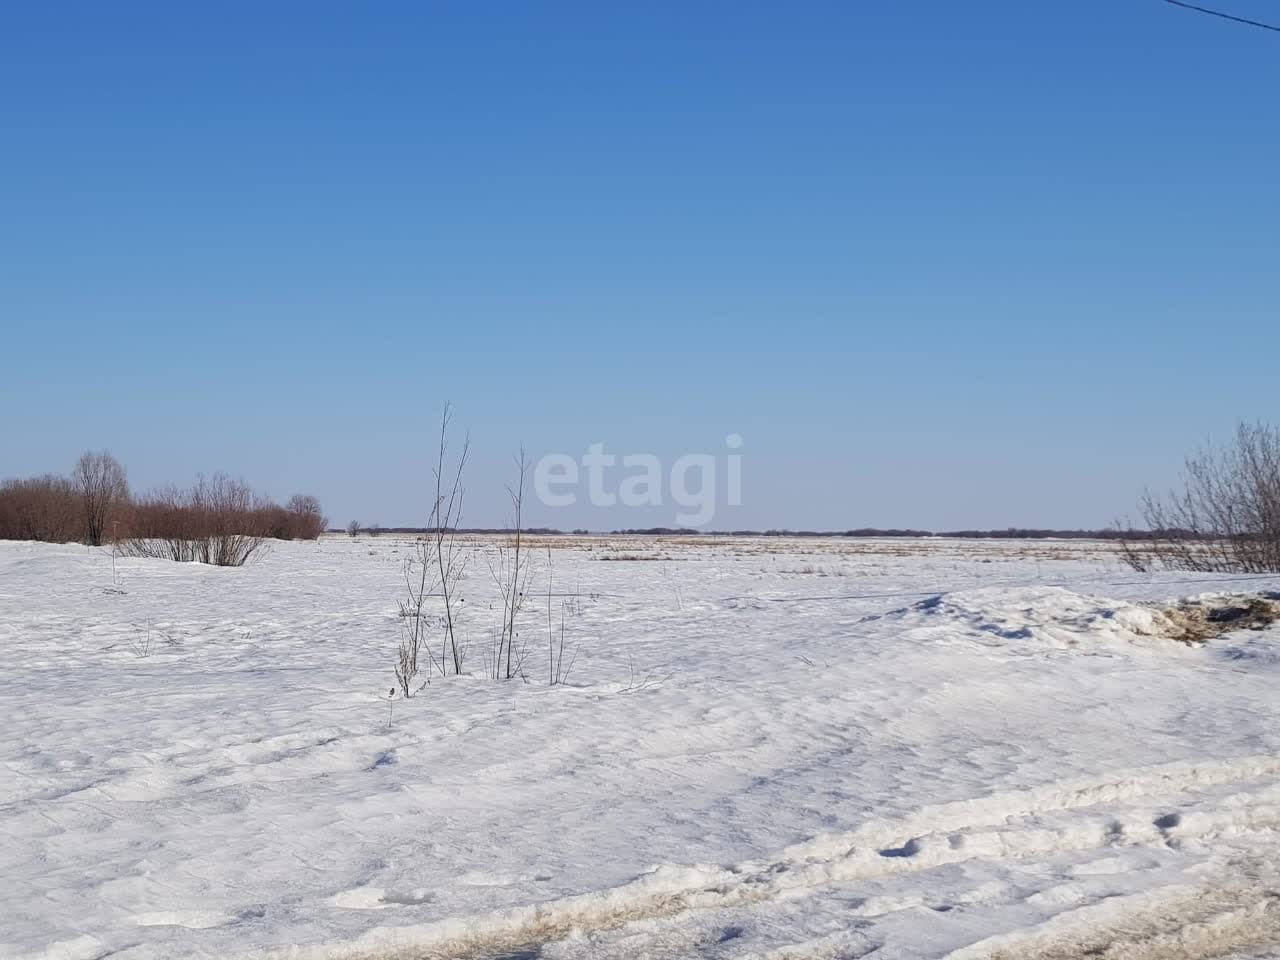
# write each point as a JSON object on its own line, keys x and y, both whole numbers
{"x": 1197, "y": 621}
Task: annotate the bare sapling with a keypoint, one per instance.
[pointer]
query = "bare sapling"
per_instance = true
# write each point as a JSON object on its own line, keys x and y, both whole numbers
{"x": 551, "y": 645}
{"x": 511, "y": 574}
{"x": 140, "y": 642}
{"x": 434, "y": 569}
{"x": 666, "y": 575}
{"x": 446, "y": 513}
{"x": 557, "y": 669}
{"x": 420, "y": 585}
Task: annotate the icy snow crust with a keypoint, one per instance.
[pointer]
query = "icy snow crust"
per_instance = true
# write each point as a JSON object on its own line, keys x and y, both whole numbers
{"x": 768, "y": 748}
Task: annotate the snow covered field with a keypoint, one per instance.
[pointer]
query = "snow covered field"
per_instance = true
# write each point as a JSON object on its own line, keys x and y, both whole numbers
{"x": 768, "y": 748}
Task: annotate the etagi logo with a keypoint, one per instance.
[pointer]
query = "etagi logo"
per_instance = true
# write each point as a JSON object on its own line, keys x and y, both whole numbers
{"x": 691, "y": 483}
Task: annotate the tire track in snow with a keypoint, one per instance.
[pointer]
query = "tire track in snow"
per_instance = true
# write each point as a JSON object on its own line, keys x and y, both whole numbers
{"x": 1066, "y": 584}
{"x": 985, "y": 827}
{"x": 1225, "y": 914}
{"x": 1220, "y": 917}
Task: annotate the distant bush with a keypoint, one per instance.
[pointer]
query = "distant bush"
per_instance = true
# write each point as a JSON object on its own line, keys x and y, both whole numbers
{"x": 306, "y": 517}
{"x": 40, "y": 508}
{"x": 219, "y": 520}
{"x": 85, "y": 506}
{"x": 300, "y": 519}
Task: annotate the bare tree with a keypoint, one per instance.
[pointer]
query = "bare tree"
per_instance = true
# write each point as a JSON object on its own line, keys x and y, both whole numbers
{"x": 353, "y": 528}
{"x": 100, "y": 480}
{"x": 1226, "y": 516}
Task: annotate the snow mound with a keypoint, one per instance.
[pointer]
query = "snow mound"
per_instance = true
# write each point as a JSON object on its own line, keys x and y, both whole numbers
{"x": 1038, "y": 618}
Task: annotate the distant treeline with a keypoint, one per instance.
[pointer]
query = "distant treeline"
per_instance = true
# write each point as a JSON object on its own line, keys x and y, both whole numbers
{"x": 1012, "y": 533}
{"x": 355, "y": 529}
{"x": 94, "y": 505}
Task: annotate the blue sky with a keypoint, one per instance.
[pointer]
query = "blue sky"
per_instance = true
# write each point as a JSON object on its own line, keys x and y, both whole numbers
{"x": 938, "y": 264}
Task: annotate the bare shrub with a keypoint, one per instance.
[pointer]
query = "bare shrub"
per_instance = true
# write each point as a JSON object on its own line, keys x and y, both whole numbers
{"x": 353, "y": 528}
{"x": 220, "y": 521}
{"x": 307, "y": 516}
{"x": 435, "y": 568}
{"x": 300, "y": 519}
{"x": 45, "y": 508}
{"x": 100, "y": 480}
{"x": 165, "y": 526}
{"x": 1226, "y": 516}
{"x": 230, "y": 515}
{"x": 140, "y": 642}
{"x": 275, "y": 520}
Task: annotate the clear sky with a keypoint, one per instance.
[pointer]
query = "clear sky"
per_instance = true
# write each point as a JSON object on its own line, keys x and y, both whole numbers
{"x": 938, "y": 264}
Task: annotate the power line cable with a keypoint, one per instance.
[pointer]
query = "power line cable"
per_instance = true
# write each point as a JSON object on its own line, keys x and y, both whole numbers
{"x": 1224, "y": 16}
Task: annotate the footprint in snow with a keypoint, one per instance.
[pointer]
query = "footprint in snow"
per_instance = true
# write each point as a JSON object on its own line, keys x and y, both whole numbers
{"x": 191, "y": 919}
{"x": 376, "y": 898}
{"x": 908, "y": 849}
